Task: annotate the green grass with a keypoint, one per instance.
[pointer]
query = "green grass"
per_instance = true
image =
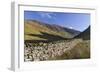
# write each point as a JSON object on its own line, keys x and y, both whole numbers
{"x": 36, "y": 28}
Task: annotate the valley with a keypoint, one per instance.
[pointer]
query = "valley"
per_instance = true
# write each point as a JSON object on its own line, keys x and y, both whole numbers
{"x": 44, "y": 42}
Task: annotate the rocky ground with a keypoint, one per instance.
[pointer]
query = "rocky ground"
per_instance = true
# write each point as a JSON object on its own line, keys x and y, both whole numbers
{"x": 48, "y": 51}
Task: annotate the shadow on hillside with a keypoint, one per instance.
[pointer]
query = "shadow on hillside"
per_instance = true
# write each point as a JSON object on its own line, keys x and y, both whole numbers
{"x": 48, "y": 37}
{"x": 85, "y": 35}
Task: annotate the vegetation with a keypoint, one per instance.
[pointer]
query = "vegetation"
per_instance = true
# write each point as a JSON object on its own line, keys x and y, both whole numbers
{"x": 85, "y": 35}
{"x": 52, "y": 42}
{"x": 35, "y": 27}
{"x": 80, "y": 51}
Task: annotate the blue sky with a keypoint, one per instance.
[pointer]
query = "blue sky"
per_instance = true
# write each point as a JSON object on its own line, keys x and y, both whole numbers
{"x": 77, "y": 21}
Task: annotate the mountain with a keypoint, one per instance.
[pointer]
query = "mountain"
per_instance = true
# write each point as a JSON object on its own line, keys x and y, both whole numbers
{"x": 71, "y": 31}
{"x": 36, "y": 30}
{"x": 85, "y": 34}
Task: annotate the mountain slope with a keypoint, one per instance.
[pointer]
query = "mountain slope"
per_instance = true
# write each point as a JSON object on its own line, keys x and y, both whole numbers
{"x": 35, "y": 30}
{"x": 85, "y": 34}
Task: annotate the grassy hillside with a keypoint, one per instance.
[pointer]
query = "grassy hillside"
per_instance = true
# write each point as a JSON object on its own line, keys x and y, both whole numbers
{"x": 85, "y": 35}
{"x": 35, "y": 30}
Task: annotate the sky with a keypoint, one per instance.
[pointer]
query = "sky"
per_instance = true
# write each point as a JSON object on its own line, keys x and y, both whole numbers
{"x": 77, "y": 21}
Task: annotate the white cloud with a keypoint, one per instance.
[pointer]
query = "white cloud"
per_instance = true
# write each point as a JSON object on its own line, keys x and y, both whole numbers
{"x": 71, "y": 27}
{"x": 49, "y": 15}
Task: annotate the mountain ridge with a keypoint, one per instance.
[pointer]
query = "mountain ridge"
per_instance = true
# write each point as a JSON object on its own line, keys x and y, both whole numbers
{"x": 36, "y": 27}
{"x": 85, "y": 34}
